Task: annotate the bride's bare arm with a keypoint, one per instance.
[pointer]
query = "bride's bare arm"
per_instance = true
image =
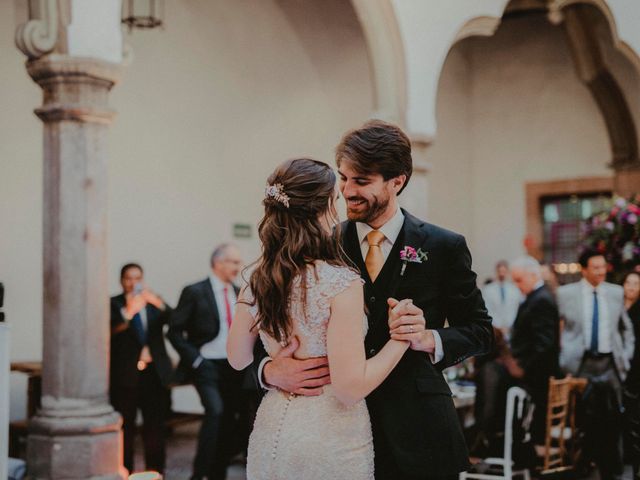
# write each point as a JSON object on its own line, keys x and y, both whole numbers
{"x": 241, "y": 338}
{"x": 352, "y": 375}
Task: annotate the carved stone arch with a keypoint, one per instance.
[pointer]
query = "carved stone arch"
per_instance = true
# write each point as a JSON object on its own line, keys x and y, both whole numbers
{"x": 386, "y": 51}
{"x": 555, "y": 15}
{"x": 586, "y": 42}
{"x": 589, "y": 62}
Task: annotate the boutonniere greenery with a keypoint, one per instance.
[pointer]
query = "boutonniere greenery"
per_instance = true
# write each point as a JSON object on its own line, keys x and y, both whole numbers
{"x": 411, "y": 255}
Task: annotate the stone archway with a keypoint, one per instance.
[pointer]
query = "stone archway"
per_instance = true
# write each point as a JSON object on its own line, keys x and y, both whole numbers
{"x": 511, "y": 110}
{"x": 591, "y": 33}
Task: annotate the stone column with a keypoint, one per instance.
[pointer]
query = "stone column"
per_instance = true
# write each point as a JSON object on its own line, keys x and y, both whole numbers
{"x": 76, "y": 434}
{"x": 416, "y": 196}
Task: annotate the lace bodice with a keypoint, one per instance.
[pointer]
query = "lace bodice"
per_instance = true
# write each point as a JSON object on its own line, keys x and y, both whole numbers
{"x": 324, "y": 282}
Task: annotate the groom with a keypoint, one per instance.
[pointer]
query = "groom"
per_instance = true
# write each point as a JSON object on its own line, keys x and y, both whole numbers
{"x": 416, "y": 431}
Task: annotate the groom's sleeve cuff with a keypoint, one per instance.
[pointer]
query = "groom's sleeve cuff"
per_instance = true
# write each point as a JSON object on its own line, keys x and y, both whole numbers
{"x": 438, "y": 352}
{"x": 261, "y": 381}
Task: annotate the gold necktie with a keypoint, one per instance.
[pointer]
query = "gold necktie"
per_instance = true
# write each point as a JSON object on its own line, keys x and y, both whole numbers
{"x": 375, "y": 259}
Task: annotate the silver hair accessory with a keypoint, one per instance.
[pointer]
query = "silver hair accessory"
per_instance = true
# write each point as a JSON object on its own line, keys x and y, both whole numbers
{"x": 276, "y": 192}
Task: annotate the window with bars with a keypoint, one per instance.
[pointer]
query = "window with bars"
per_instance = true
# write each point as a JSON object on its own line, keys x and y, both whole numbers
{"x": 562, "y": 220}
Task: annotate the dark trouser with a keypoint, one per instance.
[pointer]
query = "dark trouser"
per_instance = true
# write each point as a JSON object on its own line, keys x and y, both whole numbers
{"x": 539, "y": 391}
{"x": 219, "y": 387}
{"x": 600, "y": 414}
{"x": 150, "y": 397}
{"x": 386, "y": 466}
{"x": 492, "y": 384}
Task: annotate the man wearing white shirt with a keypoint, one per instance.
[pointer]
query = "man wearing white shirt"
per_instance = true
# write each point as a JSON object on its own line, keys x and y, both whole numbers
{"x": 597, "y": 343}
{"x": 198, "y": 330}
{"x": 502, "y": 298}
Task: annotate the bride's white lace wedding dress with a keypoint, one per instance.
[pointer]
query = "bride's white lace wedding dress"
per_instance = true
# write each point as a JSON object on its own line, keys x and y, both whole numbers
{"x": 297, "y": 437}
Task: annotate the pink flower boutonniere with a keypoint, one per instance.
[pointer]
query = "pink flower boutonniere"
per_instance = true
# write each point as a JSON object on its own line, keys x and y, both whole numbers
{"x": 411, "y": 255}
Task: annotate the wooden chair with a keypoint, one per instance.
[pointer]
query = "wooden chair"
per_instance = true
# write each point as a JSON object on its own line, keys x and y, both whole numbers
{"x": 561, "y": 425}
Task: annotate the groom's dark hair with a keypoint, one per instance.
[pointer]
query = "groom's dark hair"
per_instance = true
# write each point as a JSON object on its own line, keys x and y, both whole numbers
{"x": 377, "y": 147}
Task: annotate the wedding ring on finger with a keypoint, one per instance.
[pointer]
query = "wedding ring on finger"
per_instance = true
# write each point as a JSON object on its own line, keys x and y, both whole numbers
{"x": 411, "y": 328}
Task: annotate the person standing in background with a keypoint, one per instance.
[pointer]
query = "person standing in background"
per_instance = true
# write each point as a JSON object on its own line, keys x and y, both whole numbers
{"x": 198, "y": 330}
{"x": 502, "y": 299}
{"x": 597, "y": 344}
{"x": 631, "y": 286}
{"x": 140, "y": 369}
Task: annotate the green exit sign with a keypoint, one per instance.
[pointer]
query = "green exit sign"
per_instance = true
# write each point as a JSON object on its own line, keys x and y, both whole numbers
{"x": 241, "y": 230}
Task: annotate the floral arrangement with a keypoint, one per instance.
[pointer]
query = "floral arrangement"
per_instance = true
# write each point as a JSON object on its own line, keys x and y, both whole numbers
{"x": 616, "y": 234}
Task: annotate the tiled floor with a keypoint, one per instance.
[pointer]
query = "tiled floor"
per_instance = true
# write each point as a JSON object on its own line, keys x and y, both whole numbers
{"x": 181, "y": 447}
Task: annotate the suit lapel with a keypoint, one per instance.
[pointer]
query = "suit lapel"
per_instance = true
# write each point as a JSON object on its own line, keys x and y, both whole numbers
{"x": 211, "y": 300}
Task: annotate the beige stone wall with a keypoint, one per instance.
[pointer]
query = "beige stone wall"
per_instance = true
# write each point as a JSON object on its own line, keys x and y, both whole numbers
{"x": 510, "y": 110}
{"x": 207, "y": 108}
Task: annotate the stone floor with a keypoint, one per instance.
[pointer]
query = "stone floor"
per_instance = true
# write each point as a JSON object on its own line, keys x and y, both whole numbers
{"x": 181, "y": 448}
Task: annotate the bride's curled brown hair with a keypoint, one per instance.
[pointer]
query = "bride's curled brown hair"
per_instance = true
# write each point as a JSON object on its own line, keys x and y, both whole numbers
{"x": 299, "y": 199}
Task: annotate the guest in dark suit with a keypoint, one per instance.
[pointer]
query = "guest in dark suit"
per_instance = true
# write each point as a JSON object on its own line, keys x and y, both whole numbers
{"x": 198, "y": 330}
{"x": 140, "y": 367}
{"x": 416, "y": 431}
{"x": 535, "y": 339}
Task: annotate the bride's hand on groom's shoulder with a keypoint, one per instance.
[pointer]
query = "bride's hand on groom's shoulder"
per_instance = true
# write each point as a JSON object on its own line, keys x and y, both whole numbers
{"x": 407, "y": 323}
{"x": 302, "y": 377}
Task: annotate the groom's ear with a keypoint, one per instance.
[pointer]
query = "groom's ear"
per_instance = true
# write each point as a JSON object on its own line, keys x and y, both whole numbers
{"x": 398, "y": 182}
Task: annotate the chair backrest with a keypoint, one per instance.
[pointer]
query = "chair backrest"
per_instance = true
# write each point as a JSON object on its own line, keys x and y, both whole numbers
{"x": 520, "y": 409}
{"x": 560, "y": 416}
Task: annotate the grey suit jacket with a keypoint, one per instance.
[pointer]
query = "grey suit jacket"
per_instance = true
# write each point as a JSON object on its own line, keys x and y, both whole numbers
{"x": 572, "y": 340}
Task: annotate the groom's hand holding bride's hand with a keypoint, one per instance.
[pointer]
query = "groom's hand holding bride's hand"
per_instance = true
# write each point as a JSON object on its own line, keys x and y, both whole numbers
{"x": 407, "y": 323}
{"x": 302, "y": 377}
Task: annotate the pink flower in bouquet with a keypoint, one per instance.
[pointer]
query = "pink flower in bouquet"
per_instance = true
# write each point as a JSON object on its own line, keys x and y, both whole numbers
{"x": 634, "y": 208}
{"x": 632, "y": 218}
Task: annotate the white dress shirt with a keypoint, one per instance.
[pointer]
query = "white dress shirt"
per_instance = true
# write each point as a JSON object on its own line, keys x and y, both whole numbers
{"x": 217, "y": 348}
{"x": 604, "y": 322}
{"x": 503, "y": 311}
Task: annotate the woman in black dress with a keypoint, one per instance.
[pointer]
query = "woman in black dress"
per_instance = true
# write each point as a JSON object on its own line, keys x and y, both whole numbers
{"x": 632, "y": 384}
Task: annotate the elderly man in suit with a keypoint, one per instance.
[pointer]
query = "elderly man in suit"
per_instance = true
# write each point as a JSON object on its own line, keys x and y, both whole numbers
{"x": 597, "y": 343}
{"x": 198, "y": 330}
{"x": 532, "y": 360}
{"x": 140, "y": 369}
{"x": 534, "y": 341}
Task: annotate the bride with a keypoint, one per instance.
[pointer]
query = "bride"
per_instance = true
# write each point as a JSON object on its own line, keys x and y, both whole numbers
{"x": 304, "y": 290}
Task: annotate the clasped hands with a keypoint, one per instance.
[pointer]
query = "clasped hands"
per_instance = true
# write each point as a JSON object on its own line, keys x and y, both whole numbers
{"x": 134, "y": 302}
{"x": 308, "y": 376}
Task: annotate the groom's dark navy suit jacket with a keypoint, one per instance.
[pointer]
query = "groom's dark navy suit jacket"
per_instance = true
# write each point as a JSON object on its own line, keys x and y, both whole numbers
{"x": 412, "y": 411}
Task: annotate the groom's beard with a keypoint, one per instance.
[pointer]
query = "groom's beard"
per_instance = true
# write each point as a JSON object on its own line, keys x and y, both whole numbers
{"x": 369, "y": 210}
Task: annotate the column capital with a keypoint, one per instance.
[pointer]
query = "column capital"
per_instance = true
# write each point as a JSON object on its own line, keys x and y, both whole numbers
{"x": 74, "y": 88}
